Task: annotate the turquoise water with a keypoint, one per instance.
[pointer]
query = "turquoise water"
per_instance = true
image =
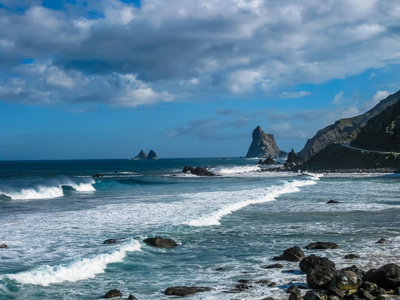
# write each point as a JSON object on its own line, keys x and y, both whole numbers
{"x": 55, "y": 216}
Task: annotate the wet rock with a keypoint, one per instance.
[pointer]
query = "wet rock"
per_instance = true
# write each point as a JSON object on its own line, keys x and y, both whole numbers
{"x": 346, "y": 280}
{"x": 198, "y": 171}
{"x": 263, "y": 282}
{"x": 356, "y": 270}
{"x": 3, "y": 246}
{"x": 293, "y": 289}
{"x": 381, "y": 241}
{"x": 113, "y": 293}
{"x": 314, "y": 261}
{"x": 291, "y": 254}
{"x": 322, "y": 245}
{"x": 387, "y": 276}
{"x": 351, "y": 256}
{"x": 268, "y": 298}
{"x": 363, "y": 294}
{"x": 112, "y": 241}
{"x": 220, "y": 269}
{"x": 131, "y": 297}
{"x": 243, "y": 281}
{"x": 332, "y": 202}
{"x": 185, "y": 290}
{"x": 161, "y": 242}
{"x": 314, "y": 295}
{"x": 274, "y": 266}
{"x": 272, "y": 284}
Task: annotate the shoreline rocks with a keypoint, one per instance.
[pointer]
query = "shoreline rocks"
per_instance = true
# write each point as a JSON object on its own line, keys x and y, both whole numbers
{"x": 160, "y": 242}
{"x": 199, "y": 171}
{"x": 113, "y": 294}
{"x": 322, "y": 245}
{"x": 292, "y": 254}
{"x": 2, "y": 246}
{"x": 185, "y": 290}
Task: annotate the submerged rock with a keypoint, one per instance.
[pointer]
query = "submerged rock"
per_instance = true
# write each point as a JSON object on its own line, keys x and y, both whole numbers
{"x": 274, "y": 266}
{"x": 291, "y": 254}
{"x": 113, "y": 293}
{"x": 112, "y": 241}
{"x": 161, "y": 242}
{"x": 185, "y": 290}
{"x": 351, "y": 256}
{"x": 332, "y": 202}
{"x": 199, "y": 171}
{"x": 322, "y": 245}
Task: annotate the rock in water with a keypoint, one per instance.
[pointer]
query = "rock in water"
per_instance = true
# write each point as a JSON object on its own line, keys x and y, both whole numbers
{"x": 3, "y": 246}
{"x": 161, "y": 242}
{"x": 291, "y": 254}
{"x": 113, "y": 293}
{"x": 141, "y": 155}
{"x": 199, "y": 171}
{"x": 152, "y": 155}
{"x": 322, "y": 245}
{"x": 263, "y": 145}
{"x": 185, "y": 290}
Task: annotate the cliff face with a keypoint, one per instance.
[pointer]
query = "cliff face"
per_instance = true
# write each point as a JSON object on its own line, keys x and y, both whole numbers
{"x": 344, "y": 130}
{"x": 263, "y": 145}
{"x": 382, "y": 132}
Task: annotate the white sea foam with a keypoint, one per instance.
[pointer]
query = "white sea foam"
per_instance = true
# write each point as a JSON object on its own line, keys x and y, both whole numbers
{"x": 79, "y": 270}
{"x": 259, "y": 196}
{"x": 234, "y": 170}
{"x": 53, "y": 190}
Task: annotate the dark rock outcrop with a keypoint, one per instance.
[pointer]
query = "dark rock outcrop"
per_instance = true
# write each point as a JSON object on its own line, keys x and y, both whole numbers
{"x": 113, "y": 294}
{"x": 332, "y": 202}
{"x": 112, "y": 241}
{"x": 3, "y": 246}
{"x": 269, "y": 162}
{"x": 131, "y": 297}
{"x": 344, "y": 130}
{"x": 152, "y": 155}
{"x": 263, "y": 145}
{"x": 294, "y": 159}
{"x": 199, "y": 171}
{"x": 351, "y": 256}
{"x": 141, "y": 155}
{"x": 387, "y": 276}
{"x": 274, "y": 266}
{"x": 322, "y": 245}
{"x": 185, "y": 290}
{"x": 292, "y": 254}
{"x": 161, "y": 242}
{"x": 314, "y": 261}
{"x": 346, "y": 280}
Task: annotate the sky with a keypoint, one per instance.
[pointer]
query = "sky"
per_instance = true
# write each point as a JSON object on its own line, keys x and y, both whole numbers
{"x": 94, "y": 79}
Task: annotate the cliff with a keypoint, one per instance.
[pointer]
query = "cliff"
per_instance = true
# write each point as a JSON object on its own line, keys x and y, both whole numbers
{"x": 344, "y": 130}
{"x": 263, "y": 145}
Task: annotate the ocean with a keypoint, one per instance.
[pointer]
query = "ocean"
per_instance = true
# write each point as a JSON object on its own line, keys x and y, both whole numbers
{"x": 55, "y": 217}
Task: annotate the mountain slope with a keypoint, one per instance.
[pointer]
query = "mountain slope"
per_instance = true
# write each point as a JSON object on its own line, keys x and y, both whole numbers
{"x": 344, "y": 130}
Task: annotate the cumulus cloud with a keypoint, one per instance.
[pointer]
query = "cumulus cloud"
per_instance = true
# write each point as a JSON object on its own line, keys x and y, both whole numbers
{"x": 161, "y": 50}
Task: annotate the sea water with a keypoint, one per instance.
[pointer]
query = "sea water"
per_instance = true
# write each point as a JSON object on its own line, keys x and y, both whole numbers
{"x": 55, "y": 217}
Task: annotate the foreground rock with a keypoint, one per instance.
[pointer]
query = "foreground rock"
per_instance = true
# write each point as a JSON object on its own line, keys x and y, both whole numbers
{"x": 346, "y": 280}
{"x": 113, "y": 294}
{"x": 199, "y": 171}
{"x": 387, "y": 276}
{"x": 112, "y": 241}
{"x": 314, "y": 261}
{"x": 262, "y": 145}
{"x": 320, "y": 271}
{"x": 322, "y": 245}
{"x": 185, "y": 290}
{"x": 161, "y": 242}
{"x": 3, "y": 246}
{"x": 291, "y": 254}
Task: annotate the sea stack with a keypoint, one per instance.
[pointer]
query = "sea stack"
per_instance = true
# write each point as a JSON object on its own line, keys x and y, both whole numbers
{"x": 152, "y": 155}
{"x": 141, "y": 155}
{"x": 263, "y": 145}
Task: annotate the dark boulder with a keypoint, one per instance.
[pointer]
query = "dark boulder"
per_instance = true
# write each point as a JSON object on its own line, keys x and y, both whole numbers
{"x": 381, "y": 241}
{"x": 322, "y": 245}
{"x": 332, "y": 202}
{"x": 274, "y": 266}
{"x": 363, "y": 294}
{"x": 387, "y": 276}
{"x": 112, "y": 241}
{"x": 351, "y": 256}
{"x": 113, "y": 293}
{"x": 292, "y": 254}
{"x": 319, "y": 278}
{"x": 263, "y": 282}
{"x": 3, "y": 246}
{"x": 315, "y": 295}
{"x": 314, "y": 261}
{"x": 346, "y": 280}
{"x": 199, "y": 171}
{"x": 152, "y": 155}
{"x": 185, "y": 290}
{"x": 161, "y": 242}
{"x": 131, "y": 297}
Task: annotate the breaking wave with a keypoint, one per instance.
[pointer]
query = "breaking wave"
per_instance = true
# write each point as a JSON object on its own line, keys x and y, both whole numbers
{"x": 80, "y": 270}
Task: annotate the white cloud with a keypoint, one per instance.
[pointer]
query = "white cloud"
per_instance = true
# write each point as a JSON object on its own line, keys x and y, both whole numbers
{"x": 295, "y": 94}
{"x": 379, "y": 95}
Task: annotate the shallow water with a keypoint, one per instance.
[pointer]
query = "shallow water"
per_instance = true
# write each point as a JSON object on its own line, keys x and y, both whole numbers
{"x": 55, "y": 216}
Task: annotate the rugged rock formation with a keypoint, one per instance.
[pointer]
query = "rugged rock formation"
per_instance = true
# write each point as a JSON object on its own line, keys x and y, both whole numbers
{"x": 113, "y": 294}
{"x": 344, "y": 130}
{"x": 152, "y": 155}
{"x": 185, "y": 290}
{"x": 263, "y": 145}
{"x": 381, "y": 132}
{"x": 199, "y": 171}
{"x": 161, "y": 242}
{"x": 141, "y": 155}
{"x": 293, "y": 159}
{"x": 322, "y": 245}
{"x": 291, "y": 254}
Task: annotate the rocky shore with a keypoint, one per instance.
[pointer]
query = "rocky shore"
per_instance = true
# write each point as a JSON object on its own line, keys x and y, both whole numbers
{"x": 319, "y": 278}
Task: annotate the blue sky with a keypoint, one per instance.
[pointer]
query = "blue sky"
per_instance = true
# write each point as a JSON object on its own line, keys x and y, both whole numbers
{"x": 107, "y": 78}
